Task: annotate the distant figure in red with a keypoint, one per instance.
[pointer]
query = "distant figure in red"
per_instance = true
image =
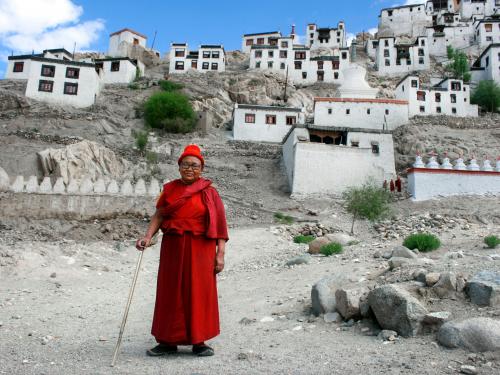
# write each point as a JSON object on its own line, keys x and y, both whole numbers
{"x": 191, "y": 215}
{"x": 399, "y": 184}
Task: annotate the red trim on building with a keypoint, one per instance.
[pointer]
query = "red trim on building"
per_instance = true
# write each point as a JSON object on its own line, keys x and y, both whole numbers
{"x": 357, "y": 100}
{"x": 130, "y": 30}
{"x": 451, "y": 171}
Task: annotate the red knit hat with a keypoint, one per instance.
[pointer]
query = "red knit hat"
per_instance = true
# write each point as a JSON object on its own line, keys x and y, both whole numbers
{"x": 192, "y": 150}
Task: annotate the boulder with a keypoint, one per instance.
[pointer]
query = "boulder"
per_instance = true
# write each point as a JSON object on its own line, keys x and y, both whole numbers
{"x": 433, "y": 321}
{"x": 301, "y": 259}
{"x": 82, "y": 159}
{"x": 475, "y": 335}
{"x": 403, "y": 252}
{"x": 396, "y": 262}
{"x": 341, "y": 238}
{"x": 419, "y": 275}
{"x": 387, "y": 335}
{"x": 484, "y": 288}
{"x": 347, "y": 301}
{"x": 323, "y": 295}
{"x": 446, "y": 286}
{"x": 395, "y": 309}
{"x": 4, "y": 180}
{"x": 316, "y": 244}
{"x": 432, "y": 278}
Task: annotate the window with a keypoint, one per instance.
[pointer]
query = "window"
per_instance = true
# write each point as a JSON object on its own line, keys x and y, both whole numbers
{"x": 386, "y": 43}
{"x": 489, "y": 39}
{"x": 204, "y": 66}
{"x": 453, "y": 98}
{"x": 368, "y": 111}
{"x": 250, "y": 118}
{"x": 375, "y": 148}
{"x": 180, "y": 52}
{"x": 344, "y": 55}
{"x": 18, "y": 67}
{"x": 438, "y": 109}
{"x": 488, "y": 27}
{"x": 387, "y": 62}
{"x": 269, "y": 64}
{"x": 438, "y": 97}
{"x": 403, "y": 88}
{"x": 179, "y": 65}
{"x": 194, "y": 64}
{"x": 421, "y": 52}
{"x": 487, "y": 61}
{"x": 321, "y": 75}
{"x": 283, "y": 54}
{"x": 389, "y": 13}
{"x": 291, "y": 120}
{"x": 249, "y": 42}
{"x": 300, "y": 55}
{"x": 72, "y": 73}
{"x": 311, "y": 27}
{"x": 304, "y": 75}
{"x": 414, "y": 83}
{"x": 257, "y": 64}
{"x": 465, "y": 100}
{"x": 329, "y": 111}
{"x": 70, "y": 88}
{"x": 284, "y": 44}
{"x": 454, "y": 110}
{"x": 386, "y": 53}
{"x": 456, "y": 86}
{"x": 336, "y": 75}
{"x": 136, "y": 41}
{"x": 273, "y": 41}
{"x": 206, "y": 54}
{"x": 270, "y": 53}
{"x": 215, "y": 66}
{"x": 408, "y": 62}
{"x": 354, "y": 144}
{"x": 99, "y": 65}
{"x": 422, "y": 42}
{"x": 282, "y": 66}
{"x": 386, "y": 111}
{"x": 298, "y": 65}
{"x": 271, "y": 119}
{"x": 422, "y": 109}
{"x": 336, "y": 64}
{"x": 421, "y": 60}
{"x": 347, "y": 111}
{"x": 215, "y": 54}
{"x": 260, "y": 40}
{"x": 45, "y": 86}
{"x": 258, "y": 53}
{"x": 115, "y": 66}
{"x": 48, "y": 70}
{"x": 320, "y": 64}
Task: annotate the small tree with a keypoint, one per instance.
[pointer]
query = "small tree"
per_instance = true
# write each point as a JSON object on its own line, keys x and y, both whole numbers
{"x": 170, "y": 111}
{"x": 487, "y": 96}
{"x": 459, "y": 66}
{"x": 141, "y": 140}
{"x": 368, "y": 201}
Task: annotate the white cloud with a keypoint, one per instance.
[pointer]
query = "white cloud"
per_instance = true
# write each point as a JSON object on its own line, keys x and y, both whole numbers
{"x": 350, "y": 37}
{"x": 373, "y": 30}
{"x": 411, "y": 2}
{"x": 38, "y": 24}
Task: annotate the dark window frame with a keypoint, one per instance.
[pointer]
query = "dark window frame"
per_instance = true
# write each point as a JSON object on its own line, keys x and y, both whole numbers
{"x": 48, "y": 70}
{"x": 115, "y": 66}
{"x": 16, "y": 66}
{"x": 270, "y": 119}
{"x": 68, "y": 85}
{"x": 179, "y": 65}
{"x": 249, "y": 118}
{"x": 76, "y": 71}
{"x": 43, "y": 82}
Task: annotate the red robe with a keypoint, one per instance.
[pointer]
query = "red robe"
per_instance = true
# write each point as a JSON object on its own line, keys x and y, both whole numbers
{"x": 186, "y": 309}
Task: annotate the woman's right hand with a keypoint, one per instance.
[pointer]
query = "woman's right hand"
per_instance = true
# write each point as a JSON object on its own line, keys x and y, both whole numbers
{"x": 143, "y": 243}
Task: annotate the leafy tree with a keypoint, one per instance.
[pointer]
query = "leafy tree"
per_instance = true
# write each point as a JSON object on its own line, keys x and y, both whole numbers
{"x": 368, "y": 201}
{"x": 170, "y": 111}
{"x": 170, "y": 86}
{"x": 487, "y": 96}
{"x": 459, "y": 66}
{"x": 141, "y": 140}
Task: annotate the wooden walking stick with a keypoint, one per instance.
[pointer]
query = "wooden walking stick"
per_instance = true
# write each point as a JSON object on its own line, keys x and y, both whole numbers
{"x": 125, "y": 314}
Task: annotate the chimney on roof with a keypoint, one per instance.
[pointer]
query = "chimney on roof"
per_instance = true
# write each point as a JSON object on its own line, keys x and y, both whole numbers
{"x": 293, "y": 31}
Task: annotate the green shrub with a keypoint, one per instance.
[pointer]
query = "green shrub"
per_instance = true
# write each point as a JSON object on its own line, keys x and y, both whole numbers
{"x": 170, "y": 111}
{"x": 487, "y": 96}
{"x": 422, "y": 241}
{"x": 170, "y": 86}
{"x": 282, "y": 218}
{"x": 330, "y": 249}
{"x": 151, "y": 157}
{"x": 492, "y": 241}
{"x": 141, "y": 140}
{"x": 368, "y": 201}
{"x": 137, "y": 74}
{"x": 303, "y": 239}
{"x": 459, "y": 65}
{"x": 133, "y": 86}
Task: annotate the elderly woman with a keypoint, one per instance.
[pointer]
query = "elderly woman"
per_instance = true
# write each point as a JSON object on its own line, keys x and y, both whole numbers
{"x": 191, "y": 215}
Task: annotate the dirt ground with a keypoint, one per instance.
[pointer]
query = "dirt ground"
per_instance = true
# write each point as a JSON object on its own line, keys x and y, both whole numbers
{"x": 61, "y": 303}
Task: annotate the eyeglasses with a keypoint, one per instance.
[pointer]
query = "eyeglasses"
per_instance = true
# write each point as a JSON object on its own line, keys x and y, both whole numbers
{"x": 194, "y": 167}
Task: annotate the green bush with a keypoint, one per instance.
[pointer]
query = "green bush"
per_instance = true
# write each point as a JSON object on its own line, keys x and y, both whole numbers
{"x": 137, "y": 74}
{"x": 492, "y": 241}
{"x": 152, "y": 157}
{"x": 282, "y": 218}
{"x": 141, "y": 140}
{"x": 424, "y": 242}
{"x": 170, "y": 86}
{"x": 487, "y": 96}
{"x": 459, "y": 66}
{"x": 170, "y": 111}
{"x": 303, "y": 239}
{"x": 133, "y": 86}
{"x": 330, "y": 249}
{"x": 368, "y": 201}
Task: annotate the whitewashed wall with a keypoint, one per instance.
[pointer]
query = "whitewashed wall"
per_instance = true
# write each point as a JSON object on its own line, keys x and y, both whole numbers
{"x": 393, "y": 68}
{"x": 246, "y": 48}
{"x": 125, "y": 36}
{"x": 10, "y": 74}
{"x": 337, "y": 37}
{"x": 407, "y": 20}
{"x": 485, "y": 38}
{"x": 126, "y": 74}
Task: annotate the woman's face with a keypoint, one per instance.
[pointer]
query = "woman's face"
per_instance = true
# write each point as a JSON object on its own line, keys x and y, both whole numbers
{"x": 190, "y": 169}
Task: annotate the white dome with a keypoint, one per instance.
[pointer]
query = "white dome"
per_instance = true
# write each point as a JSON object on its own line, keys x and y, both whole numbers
{"x": 355, "y": 85}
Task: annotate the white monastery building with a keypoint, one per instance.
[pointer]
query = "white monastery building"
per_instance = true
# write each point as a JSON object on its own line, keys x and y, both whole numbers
{"x": 324, "y": 37}
{"x": 266, "y": 38}
{"x": 264, "y": 123}
{"x": 487, "y": 31}
{"x": 487, "y": 66}
{"x": 408, "y": 20}
{"x": 209, "y": 58}
{"x": 120, "y": 40}
{"x": 402, "y": 55}
{"x": 120, "y": 69}
{"x": 450, "y": 97}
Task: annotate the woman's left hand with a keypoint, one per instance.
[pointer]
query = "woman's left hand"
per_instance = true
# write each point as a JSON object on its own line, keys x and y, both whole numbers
{"x": 219, "y": 263}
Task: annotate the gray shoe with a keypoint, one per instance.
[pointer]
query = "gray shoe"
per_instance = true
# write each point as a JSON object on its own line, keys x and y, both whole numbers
{"x": 203, "y": 350}
{"x": 161, "y": 349}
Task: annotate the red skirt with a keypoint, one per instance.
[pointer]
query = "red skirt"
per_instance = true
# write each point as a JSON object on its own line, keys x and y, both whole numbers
{"x": 186, "y": 309}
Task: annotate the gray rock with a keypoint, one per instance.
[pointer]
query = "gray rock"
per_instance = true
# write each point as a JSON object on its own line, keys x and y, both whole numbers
{"x": 466, "y": 369}
{"x": 475, "y": 335}
{"x": 323, "y": 295}
{"x": 432, "y": 278}
{"x": 377, "y": 254}
{"x": 347, "y": 301}
{"x": 316, "y": 244}
{"x": 341, "y": 238}
{"x": 332, "y": 317}
{"x": 484, "y": 289}
{"x": 364, "y": 306}
{"x": 302, "y": 259}
{"x": 403, "y": 252}
{"x": 387, "y": 255}
{"x": 446, "y": 286}
{"x": 419, "y": 275}
{"x": 395, "y": 262}
{"x": 387, "y": 335}
{"x": 395, "y": 309}
{"x": 433, "y": 321}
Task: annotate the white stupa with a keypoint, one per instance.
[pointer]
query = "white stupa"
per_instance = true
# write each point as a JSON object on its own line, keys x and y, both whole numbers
{"x": 355, "y": 85}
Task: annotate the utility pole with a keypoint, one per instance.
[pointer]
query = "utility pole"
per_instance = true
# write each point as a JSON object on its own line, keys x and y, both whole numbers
{"x": 74, "y": 49}
{"x": 285, "y": 99}
{"x": 154, "y": 39}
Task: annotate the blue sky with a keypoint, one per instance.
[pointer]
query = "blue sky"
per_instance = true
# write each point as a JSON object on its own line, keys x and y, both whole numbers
{"x": 27, "y": 25}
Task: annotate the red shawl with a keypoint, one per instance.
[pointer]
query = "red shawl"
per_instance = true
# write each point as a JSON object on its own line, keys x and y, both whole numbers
{"x": 216, "y": 218}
